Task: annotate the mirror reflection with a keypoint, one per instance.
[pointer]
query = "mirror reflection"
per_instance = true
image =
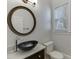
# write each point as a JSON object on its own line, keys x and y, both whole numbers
{"x": 22, "y": 21}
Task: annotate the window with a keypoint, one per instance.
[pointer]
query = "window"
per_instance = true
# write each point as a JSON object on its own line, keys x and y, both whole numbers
{"x": 60, "y": 18}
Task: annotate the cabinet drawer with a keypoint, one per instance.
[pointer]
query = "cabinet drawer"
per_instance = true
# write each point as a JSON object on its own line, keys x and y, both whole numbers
{"x": 38, "y": 55}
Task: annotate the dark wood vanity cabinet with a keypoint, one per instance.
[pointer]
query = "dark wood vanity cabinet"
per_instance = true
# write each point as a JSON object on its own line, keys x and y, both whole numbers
{"x": 38, "y": 55}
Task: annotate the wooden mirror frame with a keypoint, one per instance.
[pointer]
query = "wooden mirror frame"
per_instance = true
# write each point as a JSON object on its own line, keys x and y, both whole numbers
{"x": 10, "y": 22}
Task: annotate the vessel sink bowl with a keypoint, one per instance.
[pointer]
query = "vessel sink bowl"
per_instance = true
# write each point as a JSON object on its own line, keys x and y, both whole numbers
{"x": 28, "y": 45}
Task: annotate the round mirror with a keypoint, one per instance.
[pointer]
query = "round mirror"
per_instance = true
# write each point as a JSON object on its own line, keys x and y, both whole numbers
{"x": 21, "y": 20}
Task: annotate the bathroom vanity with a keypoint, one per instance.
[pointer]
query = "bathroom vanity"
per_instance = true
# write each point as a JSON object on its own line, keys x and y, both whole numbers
{"x": 37, "y": 53}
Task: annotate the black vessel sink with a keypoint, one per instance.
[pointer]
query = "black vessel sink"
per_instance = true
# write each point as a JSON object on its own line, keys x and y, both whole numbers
{"x": 28, "y": 45}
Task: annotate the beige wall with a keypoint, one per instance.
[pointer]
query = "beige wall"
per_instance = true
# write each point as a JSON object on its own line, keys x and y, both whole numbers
{"x": 62, "y": 42}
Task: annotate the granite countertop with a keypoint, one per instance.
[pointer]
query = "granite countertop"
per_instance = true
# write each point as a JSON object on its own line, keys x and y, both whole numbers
{"x": 22, "y": 55}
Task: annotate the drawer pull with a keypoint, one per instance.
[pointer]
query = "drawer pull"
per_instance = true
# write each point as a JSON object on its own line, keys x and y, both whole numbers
{"x": 39, "y": 56}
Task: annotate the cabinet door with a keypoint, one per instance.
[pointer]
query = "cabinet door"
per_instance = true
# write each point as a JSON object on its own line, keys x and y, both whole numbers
{"x": 38, "y": 55}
